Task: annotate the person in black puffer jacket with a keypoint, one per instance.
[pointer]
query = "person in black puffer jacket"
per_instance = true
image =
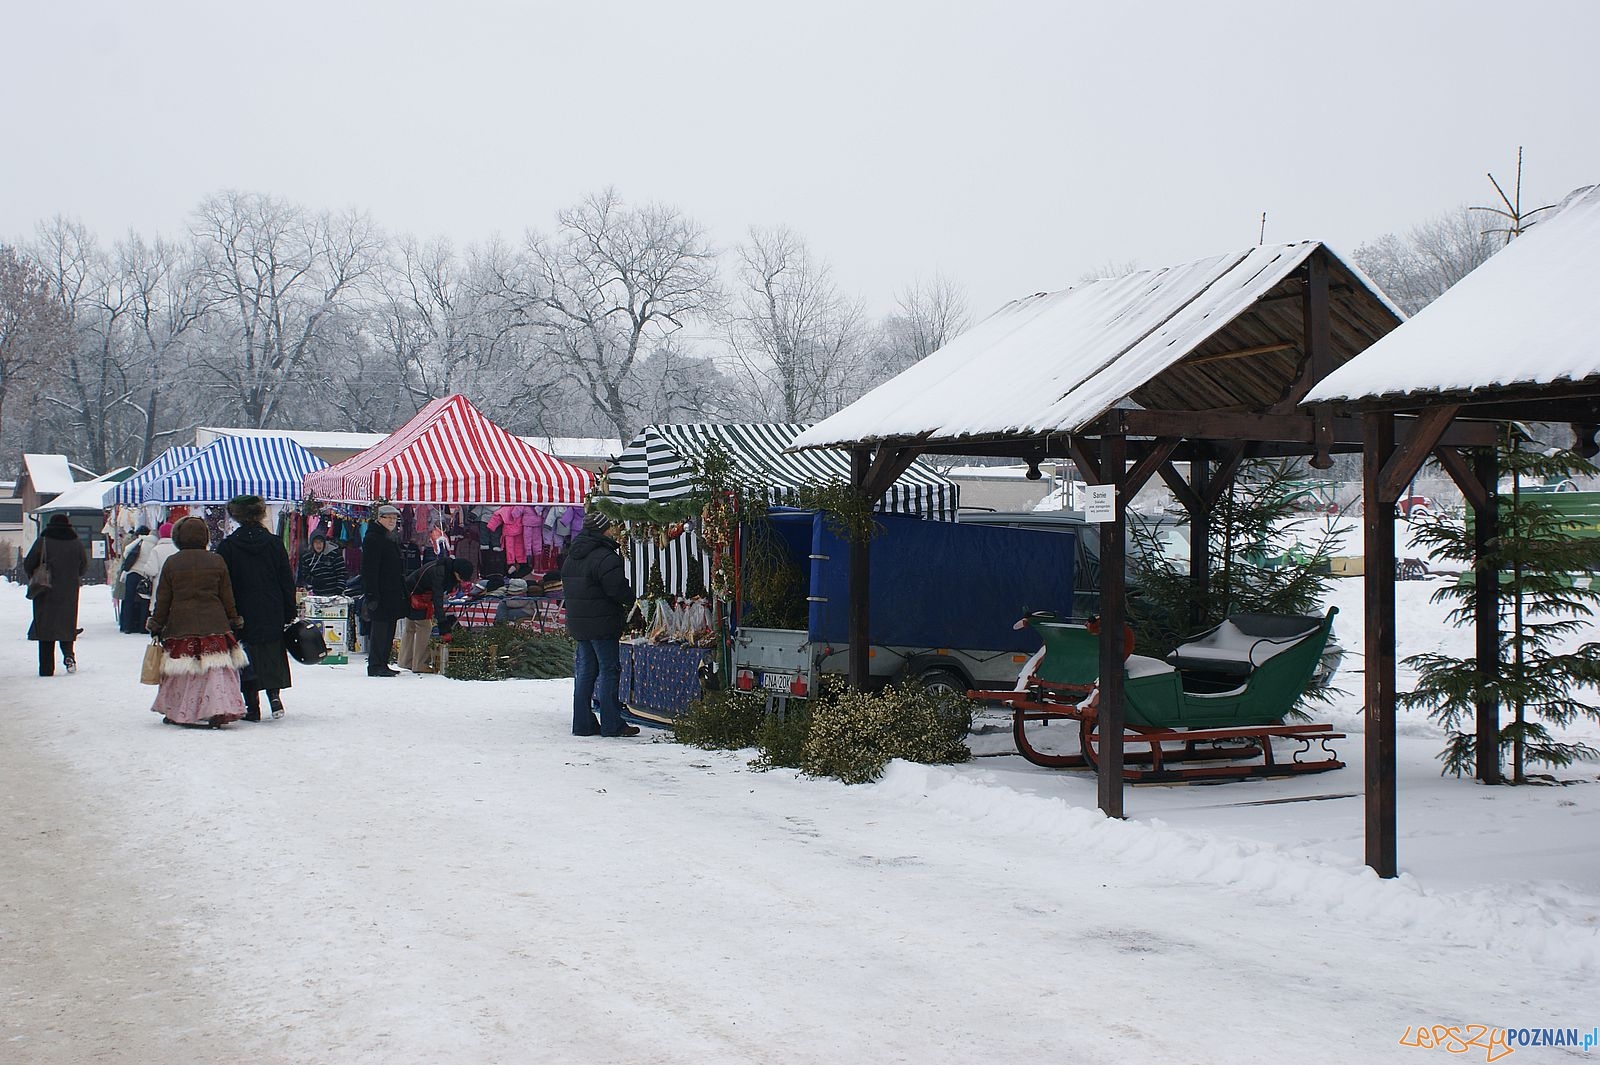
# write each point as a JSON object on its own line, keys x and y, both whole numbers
{"x": 597, "y": 598}
{"x": 263, "y": 592}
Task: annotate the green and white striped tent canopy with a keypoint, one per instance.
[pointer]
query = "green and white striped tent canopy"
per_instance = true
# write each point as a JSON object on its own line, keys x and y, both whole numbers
{"x": 659, "y": 464}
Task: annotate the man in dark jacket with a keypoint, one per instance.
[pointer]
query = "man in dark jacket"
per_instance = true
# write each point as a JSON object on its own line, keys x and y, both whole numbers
{"x": 322, "y": 568}
{"x": 263, "y": 593}
{"x": 597, "y": 598}
{"x": 383, "y": 583}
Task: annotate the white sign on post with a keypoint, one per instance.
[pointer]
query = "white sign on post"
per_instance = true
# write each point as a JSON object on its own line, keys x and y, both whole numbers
{"x": 1100, "y": 503}
{"x": 97, "y": 549}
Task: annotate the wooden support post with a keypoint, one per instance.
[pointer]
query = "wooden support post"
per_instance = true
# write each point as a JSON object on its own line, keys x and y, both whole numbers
{"x": 1377, "y": 525}
{"x": 1113, "y": 617}
{"x": 1200, "y": 540}
{"x": 1486, "y": 605}
{"x": 1316, "y": 315}
{"x": 859, "y": 626}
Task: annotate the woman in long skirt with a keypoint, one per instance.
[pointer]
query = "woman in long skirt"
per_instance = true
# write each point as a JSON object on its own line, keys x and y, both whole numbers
{"x": 195, "y": 618}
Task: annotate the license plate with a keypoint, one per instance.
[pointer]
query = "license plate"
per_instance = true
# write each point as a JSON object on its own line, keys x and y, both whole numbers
{"x": 777, "y": 682}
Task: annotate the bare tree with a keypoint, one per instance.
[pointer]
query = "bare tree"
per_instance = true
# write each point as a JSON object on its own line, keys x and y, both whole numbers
{"x": 609, "y": 285}
{"x": 1416, "y": 269}
{"x": 33, "y": 327}
{"x": 99, "y": 372}
{"x": 275, "y": 275}
{"x": 165, "y": 306}
{"x": 799, "y": 345}
{"x": 929, "y": 314}
{"x": 454, "y": 323}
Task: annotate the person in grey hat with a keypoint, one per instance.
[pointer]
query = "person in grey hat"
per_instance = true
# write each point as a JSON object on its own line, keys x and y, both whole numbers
{"x": 384, "y": 585}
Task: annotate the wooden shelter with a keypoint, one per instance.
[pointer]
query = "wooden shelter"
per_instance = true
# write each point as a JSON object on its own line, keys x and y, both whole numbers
{"x": 1207, "y": 363}
{"x": 1518, "y": 338}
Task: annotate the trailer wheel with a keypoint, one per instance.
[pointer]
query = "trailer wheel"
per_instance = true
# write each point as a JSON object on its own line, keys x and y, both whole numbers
{"x": 940, "y": 681}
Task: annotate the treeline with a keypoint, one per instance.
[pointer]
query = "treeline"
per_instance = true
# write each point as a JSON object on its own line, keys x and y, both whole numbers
{"x": 268, "y": 314}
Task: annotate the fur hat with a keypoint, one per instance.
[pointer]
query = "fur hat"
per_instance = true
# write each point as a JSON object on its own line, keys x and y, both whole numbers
{"x": 59, "y": 520}
{"x": 191, "y": 532}
{"x": 247, "y": 510}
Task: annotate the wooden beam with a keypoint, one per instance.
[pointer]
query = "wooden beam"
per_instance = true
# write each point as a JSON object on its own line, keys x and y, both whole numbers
{"x": 1377, "y": 527}
{"x": 1199, "y": 541}
{"x": 1185, "y": 495}
{"x": 1113, "y": 616}
{"x": 1422, "y": 437}
{"x": 1486, "y": 607}
{"x": 1227, "y": 470}
{"x": 859, "y": 626}
{"x": 1242, "y": 353}
{"x": 1085, "y": 461}
{"x": 887, "y": 466}
{"x": 1463, "y": 474}
{"x": 1153, "y": 459}
{"x": 1316, "y": 320}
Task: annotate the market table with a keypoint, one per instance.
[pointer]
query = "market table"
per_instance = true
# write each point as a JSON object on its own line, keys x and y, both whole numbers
{"x": 534, "y": 612}
{"x": 660, "y": 680}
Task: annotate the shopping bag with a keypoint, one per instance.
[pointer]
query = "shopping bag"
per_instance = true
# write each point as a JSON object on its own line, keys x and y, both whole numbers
{"x": 305, "y": 641}
{"x": 150, "y": 671}
{"x": 39, "y": 582}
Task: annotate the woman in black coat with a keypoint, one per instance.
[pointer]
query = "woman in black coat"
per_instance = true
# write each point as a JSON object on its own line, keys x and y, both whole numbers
{"x": 55, "y": 613}
{"x": 263, "y": 592}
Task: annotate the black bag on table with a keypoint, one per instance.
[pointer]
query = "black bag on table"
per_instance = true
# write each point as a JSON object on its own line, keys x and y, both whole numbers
{"x": 304, "y": 641}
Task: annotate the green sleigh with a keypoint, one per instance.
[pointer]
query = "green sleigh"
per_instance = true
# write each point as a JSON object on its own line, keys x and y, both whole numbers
{"x": 1210, "y": 711}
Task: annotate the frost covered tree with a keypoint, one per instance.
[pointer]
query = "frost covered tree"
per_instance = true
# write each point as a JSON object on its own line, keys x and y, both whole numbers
{"x": 1415, "y": 269}
{"x": 164, "y": 308}
{"x": 33, "y": 327}
{"x": 275, "y": 276}
{"x": 610, "y": 285}
{"x": 799, "y": 344}
{"x": 928, "y": 315}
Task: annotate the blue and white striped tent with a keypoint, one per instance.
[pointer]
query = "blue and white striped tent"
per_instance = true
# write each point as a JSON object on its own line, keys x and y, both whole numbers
{"x": 128, "y": 492}
{"x": 270, "y": 467}
{"x": 659, "y": 464}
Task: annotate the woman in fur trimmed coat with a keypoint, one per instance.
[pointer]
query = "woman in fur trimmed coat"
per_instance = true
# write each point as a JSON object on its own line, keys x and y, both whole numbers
{"x": 196, "y": 620}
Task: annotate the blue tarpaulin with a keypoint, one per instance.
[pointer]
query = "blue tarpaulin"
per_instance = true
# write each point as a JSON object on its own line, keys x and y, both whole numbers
{"x": 935, "y": 583}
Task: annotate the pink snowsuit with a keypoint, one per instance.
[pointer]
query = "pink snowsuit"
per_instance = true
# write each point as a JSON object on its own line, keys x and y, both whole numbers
{"x": 519, "y": 531}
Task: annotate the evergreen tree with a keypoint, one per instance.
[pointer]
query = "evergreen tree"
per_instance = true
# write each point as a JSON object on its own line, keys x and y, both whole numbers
{"x": 1543, "y": 562}
{"x": 1267, "y": 557}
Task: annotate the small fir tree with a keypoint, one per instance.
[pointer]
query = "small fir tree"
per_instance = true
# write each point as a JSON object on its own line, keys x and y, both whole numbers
{"x": 1268, "y": 556}
{"x": 1536, "y": 554}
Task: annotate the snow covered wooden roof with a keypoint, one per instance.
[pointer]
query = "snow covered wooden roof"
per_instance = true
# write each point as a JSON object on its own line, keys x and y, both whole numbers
{"x": 1527, "y": 318}
{"x": 1221, "y": 334}
{"x": 50, "y": 474}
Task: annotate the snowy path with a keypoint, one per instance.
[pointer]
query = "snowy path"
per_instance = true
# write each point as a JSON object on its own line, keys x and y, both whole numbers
{"x": 429, "y": 871}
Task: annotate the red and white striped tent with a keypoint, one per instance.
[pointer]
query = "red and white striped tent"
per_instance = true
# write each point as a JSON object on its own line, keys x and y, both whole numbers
{"x": 451, "y": 454}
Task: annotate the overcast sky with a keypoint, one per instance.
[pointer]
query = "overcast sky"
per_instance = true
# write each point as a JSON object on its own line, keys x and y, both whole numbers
{"x": 1012, "y": 146}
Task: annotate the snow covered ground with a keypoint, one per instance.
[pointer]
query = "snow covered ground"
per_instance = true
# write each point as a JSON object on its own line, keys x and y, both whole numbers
{"x": 423, "y": 870}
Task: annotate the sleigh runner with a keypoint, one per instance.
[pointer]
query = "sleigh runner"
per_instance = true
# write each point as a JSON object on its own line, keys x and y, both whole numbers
{"x": 1210, "y": 712}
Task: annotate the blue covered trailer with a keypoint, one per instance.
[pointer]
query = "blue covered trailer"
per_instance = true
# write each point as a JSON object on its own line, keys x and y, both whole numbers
{"x": 943, "y": 600}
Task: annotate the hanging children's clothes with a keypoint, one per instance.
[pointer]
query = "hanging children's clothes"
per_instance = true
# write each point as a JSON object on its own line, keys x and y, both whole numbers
{"x": 519, "y": 531}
